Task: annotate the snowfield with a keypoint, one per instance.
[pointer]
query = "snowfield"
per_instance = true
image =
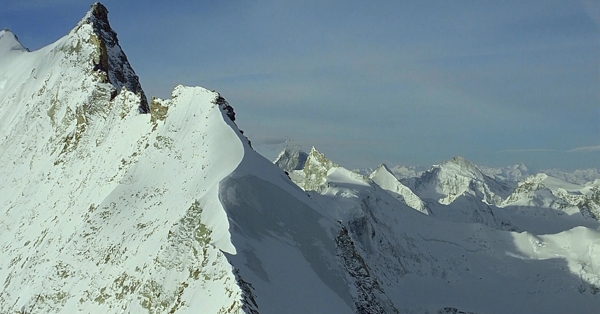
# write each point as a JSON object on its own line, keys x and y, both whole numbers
{"x": 113, "y": 203}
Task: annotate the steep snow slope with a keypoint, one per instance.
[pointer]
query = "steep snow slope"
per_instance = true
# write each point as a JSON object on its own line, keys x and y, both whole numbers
{"x": 286, "y": 244}
{"x": 10, "y": 44}
{"x": 107, "y": 210}
{"x": 384, "y": 177}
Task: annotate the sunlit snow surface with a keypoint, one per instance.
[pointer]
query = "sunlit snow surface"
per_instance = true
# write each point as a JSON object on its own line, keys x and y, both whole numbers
{"x": 106, "y": 210}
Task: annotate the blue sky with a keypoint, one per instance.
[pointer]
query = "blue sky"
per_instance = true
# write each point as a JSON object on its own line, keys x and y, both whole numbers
{"x": 400, "y": 82}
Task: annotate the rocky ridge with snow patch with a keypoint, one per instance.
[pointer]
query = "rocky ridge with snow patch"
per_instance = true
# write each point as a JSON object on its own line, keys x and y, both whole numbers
{"x": 110, "y": 206}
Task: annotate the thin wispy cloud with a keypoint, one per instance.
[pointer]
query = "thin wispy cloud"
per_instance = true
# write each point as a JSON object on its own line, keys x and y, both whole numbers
{"x": 271, "y": 141}
{"x": 586, "y": 149}
{"x": 528, "y": 150}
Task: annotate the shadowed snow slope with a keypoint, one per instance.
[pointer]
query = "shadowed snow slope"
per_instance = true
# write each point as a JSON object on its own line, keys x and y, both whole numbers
{"x": 415, "y": 263}
{"x": 111, "y": 205}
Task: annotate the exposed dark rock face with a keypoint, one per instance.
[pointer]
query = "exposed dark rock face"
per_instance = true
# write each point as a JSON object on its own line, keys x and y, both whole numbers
{"x": 112, "y": 60}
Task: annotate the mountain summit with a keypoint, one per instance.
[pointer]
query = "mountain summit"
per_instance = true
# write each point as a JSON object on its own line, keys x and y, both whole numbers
{"x": 106, "y": 209}
{"x": 111, "y": 204}
{"x": 384, "y": 177}
{"x": 110, "y": 59}
{"x": 10, "y": 42}
{"x": 454, "y": 178}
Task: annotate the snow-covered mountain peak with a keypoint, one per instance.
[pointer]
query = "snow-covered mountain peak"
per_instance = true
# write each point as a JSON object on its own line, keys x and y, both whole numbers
{"x": 387, "y": 180}
{"x": 383, "y": 168}
{"x": 456, "y": 177}
{"x": 74, "y": 86}
{"x": 315, "y": 170}
{"x": 383, "y": 172}
{"x": 291, "y": 158}
{"x": 109, "y": 59}
{"x": 318, "y": 157}
{"x": 460, "y": 166}
{"x": 10, "y": 42}
{"x": 125, "y": 204}
{"x": 98, "y": 14}
{"x": 106, "y": 210}
{"x": 316, "y": 162}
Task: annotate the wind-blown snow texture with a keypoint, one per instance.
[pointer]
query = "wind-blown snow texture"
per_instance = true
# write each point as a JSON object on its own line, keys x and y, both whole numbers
{"x": 112, "y": 204}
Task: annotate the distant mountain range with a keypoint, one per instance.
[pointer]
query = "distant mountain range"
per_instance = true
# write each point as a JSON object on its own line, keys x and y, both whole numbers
{"x": 113, "y": 203}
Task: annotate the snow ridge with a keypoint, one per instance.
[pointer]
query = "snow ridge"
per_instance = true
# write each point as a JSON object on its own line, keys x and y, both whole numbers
{"x": 94, "y": 218}
{"x": 108, "y": 210}
{"x": 385, "y": 178}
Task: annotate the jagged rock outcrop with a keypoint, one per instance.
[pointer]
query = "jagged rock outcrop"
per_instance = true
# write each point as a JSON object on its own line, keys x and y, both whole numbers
{"x": 110, "y": 58}
{"x": 291, "y": 158}
{"x": 109, "y": 210}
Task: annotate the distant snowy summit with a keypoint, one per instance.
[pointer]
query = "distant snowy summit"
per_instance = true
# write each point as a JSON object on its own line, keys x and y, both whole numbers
{"x": 478, "y": 191}
{"x": 456, "y": 177}
{"x": 387, "y": 180}
{"x": 10, "y": 42}
{"x": 507, "y": 174}
{"x": 113, "y": 204}
{"x": 453, "y": 198}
